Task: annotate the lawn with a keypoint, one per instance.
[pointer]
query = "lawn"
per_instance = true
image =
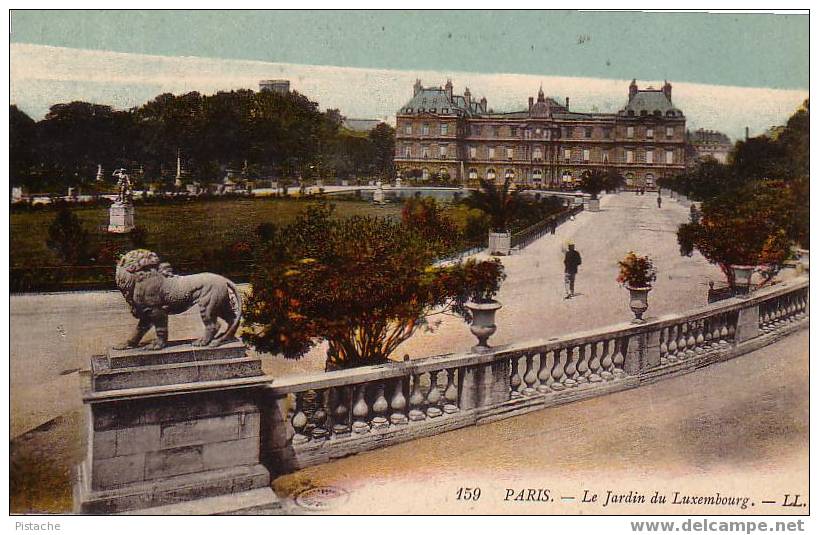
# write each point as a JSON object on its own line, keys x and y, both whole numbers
{"x": 181, "y": 233}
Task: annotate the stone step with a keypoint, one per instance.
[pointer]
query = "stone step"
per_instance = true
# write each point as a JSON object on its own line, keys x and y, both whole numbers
{"x": 255, "y": 502}
{"x": 178, "y": 373}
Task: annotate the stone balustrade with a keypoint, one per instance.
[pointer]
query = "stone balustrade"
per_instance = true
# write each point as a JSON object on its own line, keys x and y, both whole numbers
{"x": 313, "y": 419}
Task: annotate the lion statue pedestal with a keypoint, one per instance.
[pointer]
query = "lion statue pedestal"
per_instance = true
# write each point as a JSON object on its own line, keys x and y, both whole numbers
{"x": 175, "y": 426}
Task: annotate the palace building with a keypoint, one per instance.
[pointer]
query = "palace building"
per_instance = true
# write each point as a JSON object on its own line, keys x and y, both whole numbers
{"x": 440, "y": 134}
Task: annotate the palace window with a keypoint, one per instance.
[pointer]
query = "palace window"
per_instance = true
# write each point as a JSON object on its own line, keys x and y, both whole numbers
{"x": 444, "y": 110}
{"x": 650, "y": 156}
{"x": 425, "y": 151}
{"x": 496, "y": 131}
{"x": 514, "y": 131}
{"x": 586, "y": 155}
{"x": 607, "y": 133}
{"x": 408, "y": 128}
{"x": 425, "y": 129}
{"x": 490, "y": 174}
{"x": 473, "y": 174}
{"x": 473, "y": 152}
{"x": 669, "y": 156}
{"x": 408, "y": 151}
{"x": 444, "y": 129}
{"x": 588, "y": 132}
{"x": 510, "y": 174}
{"x": 537, "y": 154}
{"x": 425, "y": 173}
{"x": 510, "y": 153}
{"x": 567, "y": 154}
{"x": 606, "y": 156}
{"x": 432, "y": 110}
{"x": 630, "y": 132}
{"x": 442, "y": 151}
{"x": 629, "y": 156}
{"x": 649, "y": 133}
{"x": 491, "y": 152}
{"x": 537, "y": 175}
{"x": 669, "y": 132}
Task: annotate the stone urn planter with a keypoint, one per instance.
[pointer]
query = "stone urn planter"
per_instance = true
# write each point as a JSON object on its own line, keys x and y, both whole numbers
{"x": 638, "y": 302}
{"x": 594, "y": 205}
{"x": 483, "y": 322}
{"x": 742, "y": 277}
{"x": 500, "y": 243}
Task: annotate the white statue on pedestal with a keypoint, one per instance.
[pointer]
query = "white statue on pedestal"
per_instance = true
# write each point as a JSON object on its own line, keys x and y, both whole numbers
{"x": 121, "y": 213}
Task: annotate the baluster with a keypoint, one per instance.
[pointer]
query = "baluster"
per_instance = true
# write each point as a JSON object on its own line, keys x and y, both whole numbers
{"x": 571, "y": 368}
{"x": 791, "y": 307}
{"x": 530, "y": 376}
{"x": 582, "y": 365}
{"x": 672, "y": 344}
{"x": 319, "y": 418}
{"x": 558, "y": 372}
{"x": 451, "y": 393}
{"x": 700, "y": 337}
{"x": 607, "y": 362}
{"x": 664, "y": 345}
{"x": 398, "y": 403}
{"x": 361, "y": 411}
{"x": 515, "y": 380}
{"x": 731, "y": 318}
{"x": 723, "y": 331}
{"x": 707, "y": 333}
{"x": 695, "y": 339}
{"x": 619, "y": 357}
{"x": 546, "y": 363}
{"x": 763, "y": 317}
{"x": 416, "y": 414}
{"x": 341, "y": 414}
{"x": 380, "y": 407}
{"x": 594, "y": 364}
{"x": 682, "y": 341}
{"x": 299, "y": 422}
{"x": 433, "y": 396}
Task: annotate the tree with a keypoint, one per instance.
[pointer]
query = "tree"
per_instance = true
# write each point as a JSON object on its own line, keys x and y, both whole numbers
{"x": 496, "y": 201}
{"x": 613, "y": 179}
{"x": 429, "y": 220}
{"x": 363, "y": 284}
{"x": 749, "y": 226}
{"x": 68, "y": 238}
{"x": 593, "y": 183}
{"x": 382, "y": 138}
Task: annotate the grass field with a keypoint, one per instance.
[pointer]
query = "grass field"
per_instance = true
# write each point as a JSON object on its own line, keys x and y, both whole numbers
{"x": 178, "y": 232}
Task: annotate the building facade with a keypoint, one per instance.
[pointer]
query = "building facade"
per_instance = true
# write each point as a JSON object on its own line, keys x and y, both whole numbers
{"x": 440, "y": 134}
{"x": 710, "y": 143}
{"x": 277, "y": 86}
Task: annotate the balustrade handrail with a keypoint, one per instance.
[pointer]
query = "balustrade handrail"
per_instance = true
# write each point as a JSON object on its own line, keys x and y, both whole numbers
{"x": 391, "y": 370}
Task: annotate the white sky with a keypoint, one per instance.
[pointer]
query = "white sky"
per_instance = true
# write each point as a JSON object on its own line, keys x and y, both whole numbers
{"x": 42, "y": 76}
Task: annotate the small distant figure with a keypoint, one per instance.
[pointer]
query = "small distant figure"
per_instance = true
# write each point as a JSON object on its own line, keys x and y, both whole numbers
{"x": 659, "y": 202}
{"x": 570, "y": 263}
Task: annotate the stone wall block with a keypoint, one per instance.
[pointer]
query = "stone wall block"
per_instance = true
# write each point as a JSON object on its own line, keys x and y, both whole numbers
{"x": 137, "y": 439}
{"x": 231, "y": 453}
{"x": 201, "y": 431}
{"x": 117, "y": 471}
{"x": 250, "y": 426}
{"x": 173, "y": 462}
{"x": 104, "y": 444}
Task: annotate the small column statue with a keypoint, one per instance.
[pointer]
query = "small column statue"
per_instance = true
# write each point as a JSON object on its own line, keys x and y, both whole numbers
{"x": 121, "y": 213}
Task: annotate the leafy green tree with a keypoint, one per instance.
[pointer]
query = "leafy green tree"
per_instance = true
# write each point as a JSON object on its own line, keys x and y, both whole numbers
{"x": 749, "y": 226}
{"x": 363, "y": 284}
{"x": 593, "y": 183}
{"x": 497, "y": 201}
{"x": 68, "y": 238}
{"x": 429, "y": 219}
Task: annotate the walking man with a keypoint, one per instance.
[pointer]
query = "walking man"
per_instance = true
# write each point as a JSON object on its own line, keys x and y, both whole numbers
{"x": 570, "y": 262}
{"x": 659, "y": 202}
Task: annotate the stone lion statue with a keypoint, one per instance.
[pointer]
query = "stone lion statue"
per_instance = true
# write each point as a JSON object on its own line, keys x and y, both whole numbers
{"x": 153, "y": 292}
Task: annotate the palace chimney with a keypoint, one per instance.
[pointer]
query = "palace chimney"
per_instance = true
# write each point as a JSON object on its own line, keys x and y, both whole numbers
{"x": 417, "y": 87}
{"x": 632, "y": 89}
{"x": 667, "y": 90}
{"x": 531, "y": 102}
{"x": 483, "y": 103}
{"x": 567, "y": 103}
{"x": 467, "y": 97}
{"x": 448, "y": 88}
